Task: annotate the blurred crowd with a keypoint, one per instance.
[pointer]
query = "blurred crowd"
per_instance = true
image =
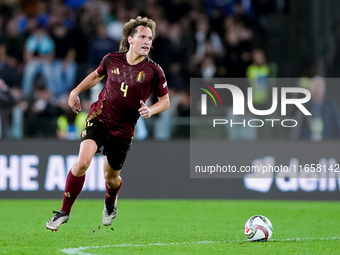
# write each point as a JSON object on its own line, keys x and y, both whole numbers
{"x": 48, "y": 46}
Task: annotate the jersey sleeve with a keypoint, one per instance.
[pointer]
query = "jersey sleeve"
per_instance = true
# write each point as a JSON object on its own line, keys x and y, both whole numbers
{"x": 161, "y": 86}
{"x": 101, "y": 70}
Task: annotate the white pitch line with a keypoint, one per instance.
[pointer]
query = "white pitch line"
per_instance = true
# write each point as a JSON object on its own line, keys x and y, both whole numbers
{"x": 79, "y": 250}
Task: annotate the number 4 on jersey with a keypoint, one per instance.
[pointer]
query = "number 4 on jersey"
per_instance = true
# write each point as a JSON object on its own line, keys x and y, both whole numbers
{"x": 124, "y": 88}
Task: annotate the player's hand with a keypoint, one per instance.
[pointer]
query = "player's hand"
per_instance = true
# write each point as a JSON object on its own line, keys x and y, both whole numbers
{"x": 74, "y": 103}
{"x": 144, "y": 111}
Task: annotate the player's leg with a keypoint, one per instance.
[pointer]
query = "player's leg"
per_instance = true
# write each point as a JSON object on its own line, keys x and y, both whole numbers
{"x": 113, "y": 183}
{"x": 74, "y": 183}
{"x": 76, "y": 177}
{"x": 115, "y": 151}
{"x": 112, "y": 179}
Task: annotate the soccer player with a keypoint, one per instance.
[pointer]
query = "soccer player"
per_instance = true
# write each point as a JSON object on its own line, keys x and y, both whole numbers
{"x": 131, "y": 77}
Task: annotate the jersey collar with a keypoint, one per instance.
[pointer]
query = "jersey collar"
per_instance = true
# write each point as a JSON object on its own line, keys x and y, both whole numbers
{"x": 140, "y": 63}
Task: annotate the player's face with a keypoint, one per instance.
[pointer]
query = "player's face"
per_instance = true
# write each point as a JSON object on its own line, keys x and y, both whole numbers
{"x": 141, "y": 41}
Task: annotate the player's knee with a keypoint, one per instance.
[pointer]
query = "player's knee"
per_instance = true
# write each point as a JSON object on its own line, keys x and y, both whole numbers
{"x": 111, "y": 177}
{"x": 81, "y": 165}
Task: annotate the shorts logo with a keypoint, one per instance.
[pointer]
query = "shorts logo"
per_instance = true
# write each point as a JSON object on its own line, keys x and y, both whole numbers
{"x": 83, "y": 134}
{"x": 140, "y": 77}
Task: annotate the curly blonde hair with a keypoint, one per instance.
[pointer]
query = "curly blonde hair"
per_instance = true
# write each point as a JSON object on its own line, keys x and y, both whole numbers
{"x": 130, "y": 28}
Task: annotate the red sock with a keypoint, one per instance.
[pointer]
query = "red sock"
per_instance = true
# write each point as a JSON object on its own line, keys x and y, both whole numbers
{"x": 73, "y": 187}
{"x": 112, "y": 193}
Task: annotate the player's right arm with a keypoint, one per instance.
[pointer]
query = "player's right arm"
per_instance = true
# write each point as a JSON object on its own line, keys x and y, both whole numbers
{"x": 90, "y": 81}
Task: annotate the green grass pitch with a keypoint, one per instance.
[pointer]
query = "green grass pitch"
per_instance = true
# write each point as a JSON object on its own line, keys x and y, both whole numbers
{"x": 169, "y": 227}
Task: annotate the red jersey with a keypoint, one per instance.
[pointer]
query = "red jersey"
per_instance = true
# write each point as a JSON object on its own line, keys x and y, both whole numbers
{"x": 119, "y": 101}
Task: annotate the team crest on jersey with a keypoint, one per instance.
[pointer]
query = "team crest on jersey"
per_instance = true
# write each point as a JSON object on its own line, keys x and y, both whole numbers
{"x": 141, "y": 77}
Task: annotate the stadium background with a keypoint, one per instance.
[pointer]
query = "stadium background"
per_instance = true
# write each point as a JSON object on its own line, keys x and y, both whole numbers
{"x": 194, "y": 39}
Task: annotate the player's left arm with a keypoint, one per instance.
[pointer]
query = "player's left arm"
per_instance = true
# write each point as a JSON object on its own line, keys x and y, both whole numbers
{"x": 162, "y": 104}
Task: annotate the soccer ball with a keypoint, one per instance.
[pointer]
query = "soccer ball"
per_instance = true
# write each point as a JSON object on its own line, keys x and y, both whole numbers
{"x": 258, "y": 228}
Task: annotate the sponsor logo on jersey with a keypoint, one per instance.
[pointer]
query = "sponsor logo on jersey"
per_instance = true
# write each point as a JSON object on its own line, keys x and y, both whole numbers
{"x": 141, "y": 77}
{"x": 116, "y": 71}
{"x": 165, "y": 84}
